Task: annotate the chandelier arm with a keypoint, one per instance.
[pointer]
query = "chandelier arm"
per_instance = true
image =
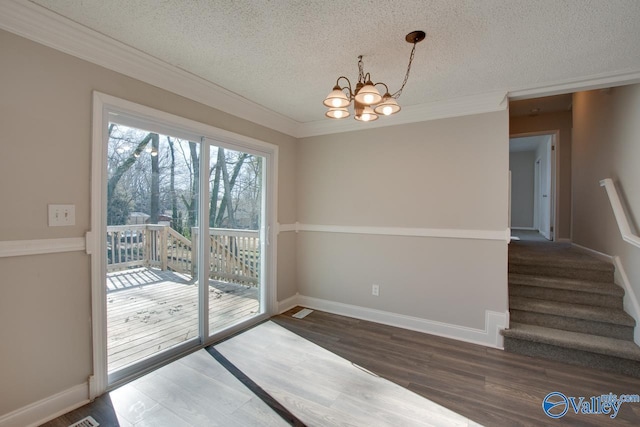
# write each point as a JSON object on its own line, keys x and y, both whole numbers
{"x": 397, "y": 94}
{"x": 383, "y": 84}
{"x": 348, "y": 87}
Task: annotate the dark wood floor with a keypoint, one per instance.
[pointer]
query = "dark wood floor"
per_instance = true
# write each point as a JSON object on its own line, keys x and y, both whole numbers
{"x": 488, "y": 386}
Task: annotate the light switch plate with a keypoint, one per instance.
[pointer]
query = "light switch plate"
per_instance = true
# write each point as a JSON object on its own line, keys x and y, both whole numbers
{"x": 62, "y": 215}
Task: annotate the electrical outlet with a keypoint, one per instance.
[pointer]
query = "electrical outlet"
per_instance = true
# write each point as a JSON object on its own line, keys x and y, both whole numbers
{"x": 62, "y": 215}
{"x": 375, "y": 290}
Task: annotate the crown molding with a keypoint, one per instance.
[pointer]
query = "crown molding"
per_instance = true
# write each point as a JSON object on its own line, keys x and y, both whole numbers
{"x": 592, "y": 82}
{"x": 455, "y": 107}
{"x": 43, "y": 26}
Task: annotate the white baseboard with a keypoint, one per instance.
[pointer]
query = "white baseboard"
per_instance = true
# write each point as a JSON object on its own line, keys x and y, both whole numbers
{"x": 631, "y": 305}
{"x": 524, "y": 228}
{"x": 489, "y": 337}
{"x": 47, "y": 409}
{"x": 601, "y": 256}
{"x": 287, "y": 304}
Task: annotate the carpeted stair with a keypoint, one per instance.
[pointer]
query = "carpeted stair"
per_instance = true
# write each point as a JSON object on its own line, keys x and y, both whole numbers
{"x": 565, "y": 306}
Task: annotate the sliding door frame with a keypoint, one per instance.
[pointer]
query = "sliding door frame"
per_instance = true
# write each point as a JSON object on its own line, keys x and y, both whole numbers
{"x": 103, "y": 106}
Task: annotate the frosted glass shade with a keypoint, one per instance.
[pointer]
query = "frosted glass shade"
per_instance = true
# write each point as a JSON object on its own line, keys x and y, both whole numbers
{"x": 367, "y": 115}
{"x": 336, "y": 99}
{"x": 388, "y": 106}
{"x": 368, "y": 95}
{"x": 337, "y": 113}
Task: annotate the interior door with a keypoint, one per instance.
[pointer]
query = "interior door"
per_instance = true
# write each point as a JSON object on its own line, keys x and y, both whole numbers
{"x": 544, "y": 185}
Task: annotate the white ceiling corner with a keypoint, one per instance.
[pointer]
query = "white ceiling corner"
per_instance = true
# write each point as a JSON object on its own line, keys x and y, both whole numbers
{"x": 273, "y": 62}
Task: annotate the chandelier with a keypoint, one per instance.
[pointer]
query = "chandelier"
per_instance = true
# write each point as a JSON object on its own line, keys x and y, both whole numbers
{"x": 368, "y": 103}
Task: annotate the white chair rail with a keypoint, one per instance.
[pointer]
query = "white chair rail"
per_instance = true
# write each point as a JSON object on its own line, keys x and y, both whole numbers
{"x": 618, "y": 211}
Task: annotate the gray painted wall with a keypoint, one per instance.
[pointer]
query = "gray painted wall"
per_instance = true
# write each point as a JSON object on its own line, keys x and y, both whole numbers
{"x": 441, "y": 174}
{"x": 607, "y": 145}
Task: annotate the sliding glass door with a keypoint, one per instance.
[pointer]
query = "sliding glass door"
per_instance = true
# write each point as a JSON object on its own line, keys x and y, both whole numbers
{"x": 184, "y": 244}
{"x": 234, "y": 241}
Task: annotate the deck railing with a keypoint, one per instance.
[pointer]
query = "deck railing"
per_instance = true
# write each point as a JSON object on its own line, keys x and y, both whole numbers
{"x": 234, "y": 255}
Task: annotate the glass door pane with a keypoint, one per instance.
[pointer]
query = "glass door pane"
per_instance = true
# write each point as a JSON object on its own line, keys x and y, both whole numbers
{"x": 236, "y": 215}
{"x": 152, "y": 218}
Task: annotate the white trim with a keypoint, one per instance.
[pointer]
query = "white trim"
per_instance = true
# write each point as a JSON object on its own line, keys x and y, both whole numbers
{"x": 456, "y": 107}
{"x": 288, "y": 304}
{"x": 600, "y": 255}
{"x": 631, "y": 305}
{"x": 98, "y": 267}
{"x": 222, "y": 137}
{"x": 10, "y": 248}
{"x": 524, "y": 228}
{"x": 597, "y": 81}
{"x": 50, "y": 29}
{"x": 503, "y": 235}
{"x": 618, "y": 212}
{"x": 489, "y": 337}
{"x": 47, "y": 409}
{"x": 282, "y": 228}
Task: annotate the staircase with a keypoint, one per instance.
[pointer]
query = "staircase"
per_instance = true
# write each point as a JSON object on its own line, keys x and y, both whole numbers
{"x": 565, "y": 306}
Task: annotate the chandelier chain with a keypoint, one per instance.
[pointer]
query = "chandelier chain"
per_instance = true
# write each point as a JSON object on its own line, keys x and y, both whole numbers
{"x": 397, "y": 94}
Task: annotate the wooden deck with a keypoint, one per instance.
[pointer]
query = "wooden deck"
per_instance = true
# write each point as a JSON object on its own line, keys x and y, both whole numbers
{"x": 150, "y": 310}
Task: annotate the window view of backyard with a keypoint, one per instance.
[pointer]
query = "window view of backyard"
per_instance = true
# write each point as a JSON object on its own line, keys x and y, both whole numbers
{"x": 153, "y": 238}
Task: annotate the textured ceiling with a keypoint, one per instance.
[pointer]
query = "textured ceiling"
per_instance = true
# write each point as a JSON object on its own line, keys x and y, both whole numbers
{"x": 286, "y": 54}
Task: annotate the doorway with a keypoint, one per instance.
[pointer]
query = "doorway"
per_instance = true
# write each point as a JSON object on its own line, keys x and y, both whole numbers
{"x": 532, "y": 163}
{"x": 182, "y": 254}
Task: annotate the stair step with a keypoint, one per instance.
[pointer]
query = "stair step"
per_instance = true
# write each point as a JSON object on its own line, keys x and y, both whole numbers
{"x": 577, "y": 311}
{"x": 598, "y": 294}
{"x": 600, "y": 288}
{"x": 556, "y": 260}
{"x": 568, "y": 272}
{"x": 561, "y": 295}
{"x": 586, "y": 342}
{"x": 603, "y": 321}
{"x": 555, "y": 255}
{"x": 572, "y": 347}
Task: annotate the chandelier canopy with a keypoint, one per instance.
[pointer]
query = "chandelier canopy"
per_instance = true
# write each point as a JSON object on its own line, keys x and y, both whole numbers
{"x": 368, "y": 104}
